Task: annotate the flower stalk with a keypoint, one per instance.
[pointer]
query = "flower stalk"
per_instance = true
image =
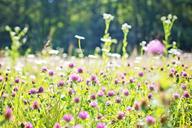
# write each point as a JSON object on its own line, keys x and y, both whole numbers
{"x": 125, "y": 28}
{"x": 167, "y": 26}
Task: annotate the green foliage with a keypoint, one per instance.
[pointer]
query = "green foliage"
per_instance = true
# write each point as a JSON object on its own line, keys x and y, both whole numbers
{"x": 56, "y": 100}
{"x": 125, "y": 28}
{"x": 167, "y": 26}
{"x": 18, "y": 38}
{"x": 106, "y": 37}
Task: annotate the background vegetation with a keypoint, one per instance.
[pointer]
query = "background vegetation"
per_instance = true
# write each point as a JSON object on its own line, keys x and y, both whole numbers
{"x": 60, "y": 20}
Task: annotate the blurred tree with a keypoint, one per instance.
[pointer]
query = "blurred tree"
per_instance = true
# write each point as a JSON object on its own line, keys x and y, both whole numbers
{"x": 60, "y": 20}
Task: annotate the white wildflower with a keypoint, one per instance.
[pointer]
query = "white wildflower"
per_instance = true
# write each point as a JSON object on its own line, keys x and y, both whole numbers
{"x": 143, "y": 43}
{"x": 79, "y": 37}
{"x": 108, "y": 17}
{"x": 125, "y": 27}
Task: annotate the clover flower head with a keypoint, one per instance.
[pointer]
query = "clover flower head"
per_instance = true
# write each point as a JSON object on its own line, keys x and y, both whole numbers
{"x": 28, "y": 125}
{"x": 57, "y": 125}
{"x": 1, "y": 78}
{"x": 120, "y": 115}
{"x": 35, "y": 105}
{"x": 75, "y": 77}
{"x": 83, "y": 115}
{"x": 101, "y": 125}
{"x": 8, "y": 114}
{"x": 150, "y": 120}
{"x": 67, "y": 117}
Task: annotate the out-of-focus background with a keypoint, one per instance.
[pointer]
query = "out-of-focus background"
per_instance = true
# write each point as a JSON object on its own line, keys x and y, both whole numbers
{"x": 60, "y": 20}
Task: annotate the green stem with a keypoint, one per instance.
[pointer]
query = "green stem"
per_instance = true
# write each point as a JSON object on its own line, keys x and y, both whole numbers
{"x": 79, "y": 45}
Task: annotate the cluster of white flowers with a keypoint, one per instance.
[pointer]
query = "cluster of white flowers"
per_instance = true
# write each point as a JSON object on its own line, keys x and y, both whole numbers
{"x": 170, "y": 18}
{"x": 108, "y": 17}
{"x": 125, "y": 27}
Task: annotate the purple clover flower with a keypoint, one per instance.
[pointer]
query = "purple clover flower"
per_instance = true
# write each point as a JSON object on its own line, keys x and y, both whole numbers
{"x": 93, "y": 104}
{"x": 76, "y": 100}
{"x": 57, "y": 125}
{"x": 94, "y": 79}
{"x": 51, "y": 73}
{"x": 32, "y": 91}
{"x": 93, "y": 96}
{"x": 67, "y": 117}
{"x": 1, "y": 78}
{"x": 75, "y": 78}
{"x": 35, "y": 105}
{"x": 101, "y": 125}
{"x": 8, "y": 114}
{"x": 125, "y": 92}
{"x": 176, "y": 95}
{"x": 28, "y": 125}
{"x": 141, "y": 74}
{"x": 100, "y": 93}
{"x": 61, "y": 83}
{"x": 71, "y": 65}
{"x": 44, "y": 69}
{"x": 40, "y": 90}
{"x": 186, "y": 94}
{"x": 80, "y": 70}
{"x": 17, "y": 80}
{"x": 120, "y": 115}
{"x": 83, "y": 115}
{"x": 111, "y": 93}
{"x": 150, "y": 120}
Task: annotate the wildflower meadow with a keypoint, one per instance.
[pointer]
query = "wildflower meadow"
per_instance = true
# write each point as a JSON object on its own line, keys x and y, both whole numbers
{"x": 104, "y": 89}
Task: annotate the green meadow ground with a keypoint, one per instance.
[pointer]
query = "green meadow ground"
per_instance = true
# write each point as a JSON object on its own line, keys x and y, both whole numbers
{"x": 139, "y": 92}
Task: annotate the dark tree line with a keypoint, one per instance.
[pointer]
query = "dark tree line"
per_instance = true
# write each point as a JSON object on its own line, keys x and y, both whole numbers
{"x": 60, "y": 20}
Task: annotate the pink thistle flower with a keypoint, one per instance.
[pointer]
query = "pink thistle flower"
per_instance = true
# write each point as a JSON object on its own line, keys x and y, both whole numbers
{"x": 155, "y": 47}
